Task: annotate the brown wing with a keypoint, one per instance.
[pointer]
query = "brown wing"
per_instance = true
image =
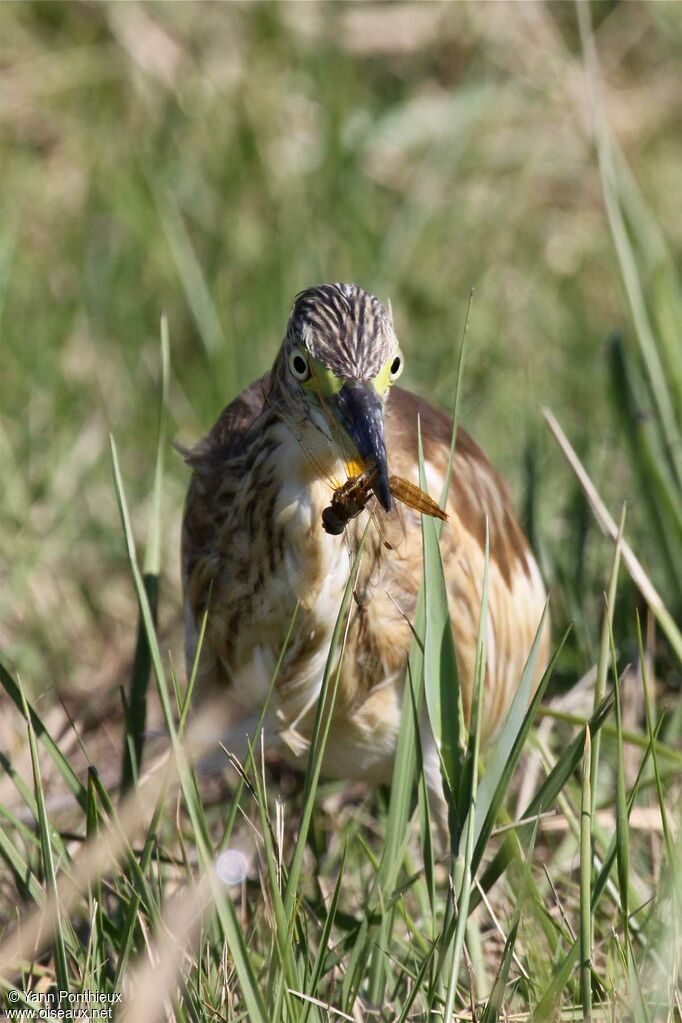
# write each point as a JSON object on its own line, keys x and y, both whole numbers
{"x": 476, "y": 488}
{"x": 209, "y": 494}
{"x": 516, "y": 592}
{"x": 226, "y": 438}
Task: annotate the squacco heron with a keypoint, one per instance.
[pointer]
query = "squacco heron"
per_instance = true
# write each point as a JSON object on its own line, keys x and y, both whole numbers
{"x": 254, "y": 544}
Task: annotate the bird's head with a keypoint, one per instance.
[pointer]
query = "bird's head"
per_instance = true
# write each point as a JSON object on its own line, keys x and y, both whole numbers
{"x": 334, "y": 371}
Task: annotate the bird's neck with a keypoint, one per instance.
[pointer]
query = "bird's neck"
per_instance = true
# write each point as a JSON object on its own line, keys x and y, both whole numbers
{"x": 297, "y": 559}
{"x": 282, "y": 557}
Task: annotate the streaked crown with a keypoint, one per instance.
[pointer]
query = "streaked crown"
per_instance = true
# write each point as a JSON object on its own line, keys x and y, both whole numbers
{"x": 344, "y": 327}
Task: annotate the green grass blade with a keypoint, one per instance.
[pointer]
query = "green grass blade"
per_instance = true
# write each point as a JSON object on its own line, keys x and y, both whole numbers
{"x": 493, "y": 1007}
{"x": 673, "y": 861}
{"x": 136, "y": 713}
{"x": 145, "y": 609}
{"x": 511, "y": 740}
{"x": 586, "y": 884}
{"x": 660, "y": 497}
{"x": 152, "y": 561}
{"x": 357, "y": 962}
{"x": 45, "y": 831}
{"x": 459, "y": 374}
{"x": 400, "y": 801}
{"x": 464, "y": 866}
{"x": 663, "y": 750}
{"x": 622, "y": 833}
{"x": 546, "y": 794}
{"x": 186, "y": 702}
{"x": 95, "y": 895}
{"x": 26, "y": 881}
{"x": 424, "y": 813}
{"x": 65, "y": 769}
{"x": 417, "y": 987}
{"x": 658, "y": 275}
{"x": 190, "y": 274}
{"x": 441, "y": 681}
{"x": 604, "y": 647}
{"x": 326, "y": 933}
{"x": 21, "y": 787}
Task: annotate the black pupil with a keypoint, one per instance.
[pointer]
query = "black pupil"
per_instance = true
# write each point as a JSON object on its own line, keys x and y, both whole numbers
{"x": 395, "y": 365}
{"x": 300, "y": 365}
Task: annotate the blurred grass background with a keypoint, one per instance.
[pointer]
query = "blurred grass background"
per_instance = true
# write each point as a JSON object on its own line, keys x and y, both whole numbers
{"x": 210, "y": 160}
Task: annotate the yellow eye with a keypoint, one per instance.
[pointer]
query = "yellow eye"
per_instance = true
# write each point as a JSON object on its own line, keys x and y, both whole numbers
{"x": 299, "y": 366}
{"x": 389, "y": 373}
{"x": 396, "y": 368}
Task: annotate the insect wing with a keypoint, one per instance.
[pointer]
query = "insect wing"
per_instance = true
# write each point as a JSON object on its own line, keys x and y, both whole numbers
{"x": 389, "y": 525}
{"x": 316, "y": 452}
{"x": 411, "y": 495}
{"x": 369, "y": 568}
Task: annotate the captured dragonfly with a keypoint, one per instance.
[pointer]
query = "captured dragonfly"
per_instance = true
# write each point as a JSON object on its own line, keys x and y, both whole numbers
{"x": 353, "y": 496}
{"x": 359, "y": 491}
